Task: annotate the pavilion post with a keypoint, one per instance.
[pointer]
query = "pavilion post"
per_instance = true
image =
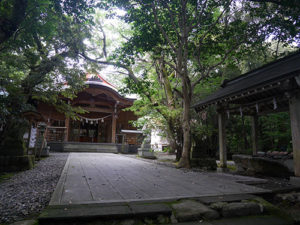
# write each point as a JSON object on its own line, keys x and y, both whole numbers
{"x": 222, "y": 140}
{"x": 295, "y": 128}
{"x": 113, "y": 128}
{"x": 29, "y": 135}
{"x": 67, "y": 125}
{"x": 254, "y": 125}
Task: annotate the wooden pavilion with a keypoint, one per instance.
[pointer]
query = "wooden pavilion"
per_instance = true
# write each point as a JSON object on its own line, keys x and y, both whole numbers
{"x": 103, "y": 121}
{"x": 274, "y": 87}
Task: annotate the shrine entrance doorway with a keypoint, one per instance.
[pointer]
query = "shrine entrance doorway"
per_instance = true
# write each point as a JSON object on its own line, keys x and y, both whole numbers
{"x": 97, "y": 132}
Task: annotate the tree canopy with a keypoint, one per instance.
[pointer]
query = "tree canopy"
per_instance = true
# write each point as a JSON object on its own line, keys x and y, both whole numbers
{"x": 39, "y": 45}
{"x": 193, "y": 41}
{"x": 175, "y": 51}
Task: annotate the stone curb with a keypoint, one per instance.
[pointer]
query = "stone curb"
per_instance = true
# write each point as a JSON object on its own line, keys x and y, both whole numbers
{"x": 63, "y": 213}
{"x": 56, "y": 196}
{"x": 250, "y": 220}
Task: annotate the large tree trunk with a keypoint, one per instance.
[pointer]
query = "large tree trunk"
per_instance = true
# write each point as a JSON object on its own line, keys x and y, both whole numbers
{"x": 174, "y": 138}
{"x": 178, "y": 152}
{"x": 185, "y": 158}
{"x": 186, "y": 91}
{"x": 174, "y": 135}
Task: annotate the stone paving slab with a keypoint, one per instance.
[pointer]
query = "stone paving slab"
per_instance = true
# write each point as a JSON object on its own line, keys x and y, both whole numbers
{"x": 81, "y": 212}
{"x": 85, "y": 212}
{"x": 104, "y": 177}
{"x": 255, "y": 220}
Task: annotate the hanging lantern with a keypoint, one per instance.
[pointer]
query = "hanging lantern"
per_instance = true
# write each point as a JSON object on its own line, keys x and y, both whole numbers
{"x": 102, "y": 120}
{"x": 86, "y": 120}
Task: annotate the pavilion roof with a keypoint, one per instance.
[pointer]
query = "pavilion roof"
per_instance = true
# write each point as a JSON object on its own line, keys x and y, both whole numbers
{"x": 267, "y": 82}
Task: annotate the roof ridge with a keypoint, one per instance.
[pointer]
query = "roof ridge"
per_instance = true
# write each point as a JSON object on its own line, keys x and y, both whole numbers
{"x": 101, "y": 78}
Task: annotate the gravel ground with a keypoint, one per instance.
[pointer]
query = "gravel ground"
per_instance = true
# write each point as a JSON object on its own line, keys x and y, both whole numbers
{"x": 28, "y": 192}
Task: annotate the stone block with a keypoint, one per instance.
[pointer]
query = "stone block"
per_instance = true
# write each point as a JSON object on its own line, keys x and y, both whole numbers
{"x": 188, "y": 210}
{"x": 225, "y": 198}
{"x": 287, "y": 197}
{"x": 261, "y": 165}
{"x": 146, "y": 153}
{"x": 56, "y": 146}
{"x": 222, "y": 170}
{"x": 218, "y": 205}
{"x": 295, "y": 181}
{"x": 241, "y": 209}
{"x": 45, "y": 151}
{"x": 150, "y": 209}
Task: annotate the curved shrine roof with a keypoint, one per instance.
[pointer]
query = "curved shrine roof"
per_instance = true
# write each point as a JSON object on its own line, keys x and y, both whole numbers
{"x": 98, "y": 82}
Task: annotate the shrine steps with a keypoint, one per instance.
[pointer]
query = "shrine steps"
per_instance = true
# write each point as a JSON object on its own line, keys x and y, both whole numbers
{"x": 84, "y": 147}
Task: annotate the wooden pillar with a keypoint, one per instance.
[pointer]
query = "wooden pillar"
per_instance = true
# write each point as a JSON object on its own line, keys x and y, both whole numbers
{"x": 254, "y": 125}
{"x": 113, "y": 128}
{"x": 29, "y": 135}
{"x": 67, "y": 125}
{"x": 222, "y": 140}
{"x": 295, "y": 128}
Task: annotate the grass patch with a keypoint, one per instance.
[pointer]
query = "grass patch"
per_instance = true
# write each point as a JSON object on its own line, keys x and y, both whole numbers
{"x": 167, "y": 160}
{"x": 176, "y": 164}
{"x": 6, "y": 176}
{"x": 231, "y": 167}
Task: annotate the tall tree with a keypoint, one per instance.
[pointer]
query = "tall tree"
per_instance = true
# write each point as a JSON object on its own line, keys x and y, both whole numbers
{"x": 194, "y": 38}
{"x": 38, "y": 56}
{"x": 158, "y": 102}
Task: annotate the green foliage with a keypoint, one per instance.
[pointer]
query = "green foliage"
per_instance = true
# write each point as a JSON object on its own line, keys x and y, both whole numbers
{"x": 6, "y": 176}
{"x": 274, "y": 128}
{"x": 39, "y": 58}
{"x": 275, "y": 132}
{"x": 194, "y": 46}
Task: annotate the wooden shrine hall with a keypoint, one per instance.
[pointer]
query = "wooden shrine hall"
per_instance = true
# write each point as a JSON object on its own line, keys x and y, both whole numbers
{"x": 103, "y": 122}
{"x": 272, "y": 88}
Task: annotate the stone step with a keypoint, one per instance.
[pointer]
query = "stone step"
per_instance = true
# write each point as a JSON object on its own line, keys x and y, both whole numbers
{"x": 90, "y": 147}
{"x": 90, "y": 150}
{"x": 225, "y": 198}
{"x": 60, "y": 214}
{"x": 84, "y": 147}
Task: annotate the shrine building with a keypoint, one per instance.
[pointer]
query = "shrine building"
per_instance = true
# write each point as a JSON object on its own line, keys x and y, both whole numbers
{"x": 105, "y": 121}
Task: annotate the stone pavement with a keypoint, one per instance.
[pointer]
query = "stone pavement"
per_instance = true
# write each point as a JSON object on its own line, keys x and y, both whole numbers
{"x": 108, "y": 178}
{"x": 255, "y": 220}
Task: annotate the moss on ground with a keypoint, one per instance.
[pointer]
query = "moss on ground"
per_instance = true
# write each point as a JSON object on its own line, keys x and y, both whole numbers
{"x": 6, "y": 176}
{"x": 272, "y": 209}
{"x": 167, "y": 160}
